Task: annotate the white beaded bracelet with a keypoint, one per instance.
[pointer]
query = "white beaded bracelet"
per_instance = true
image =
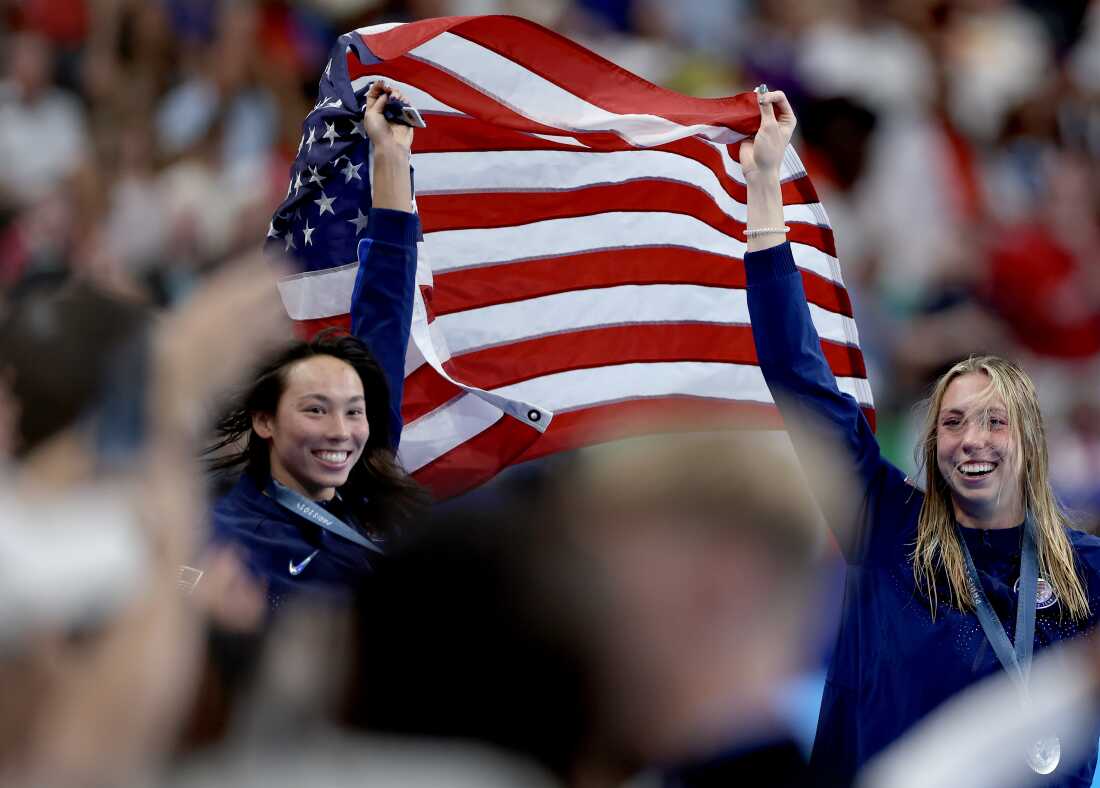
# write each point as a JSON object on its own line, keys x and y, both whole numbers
{"x": 767, "y": 231}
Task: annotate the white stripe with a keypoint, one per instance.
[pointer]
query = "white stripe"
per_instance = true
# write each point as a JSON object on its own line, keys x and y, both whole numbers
{"x": 611, "y": 306}
{"x": 421, "y": 99}
{"x": 790, "y": 158}
{"x": 544, "y": 102}
{"x": 327, "y": 293}
{"x": 451, "y": 425}
{"x": 315, "y": 294}
{"x": 789, "y": 169}
{"x": 381, "y": 27}
{"x": 427, "y": 346}
{"x": 542, "y": 171}
{"x": 560, "y": 139}
{"x": 581, "y": 388}
{"x": 831, "y": 326}
{"x": 456, "y": 249}
{"x": 858, "y": 389}
{"x": 445, "y": 428}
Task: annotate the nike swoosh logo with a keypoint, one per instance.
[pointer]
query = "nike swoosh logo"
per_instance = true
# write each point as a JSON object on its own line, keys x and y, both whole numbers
{"x": 296, "y": 569}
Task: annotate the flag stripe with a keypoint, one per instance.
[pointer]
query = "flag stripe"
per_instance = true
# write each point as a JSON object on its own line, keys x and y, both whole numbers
{"x": 447, "y": 474}
{"x": 589, "y": 426}
{"x": 456, "y": 291}
{"x": 597, "y": 347}
{"x": 508, "y": 208}
{"x": 456, "y": 249}
{"x": 481, "y": 54}
{"x": 562, "y": 62}
{"x": 464, "y": 134}
{"x": 497, "y": 367}
{"x": 462, "y": 417}
{"x": 622, "y": 305}
{"x": 326, "y": 295}
{"x": 579, "y": 388}
{"x": 478, "y": 459}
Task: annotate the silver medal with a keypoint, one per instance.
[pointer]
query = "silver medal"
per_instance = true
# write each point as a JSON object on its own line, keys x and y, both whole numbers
{"x": 1043, "y": 756}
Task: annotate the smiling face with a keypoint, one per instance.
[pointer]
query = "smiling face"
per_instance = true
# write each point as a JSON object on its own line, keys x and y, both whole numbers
{"x": 319, "y": 429}
{"x": 977, "y": 453}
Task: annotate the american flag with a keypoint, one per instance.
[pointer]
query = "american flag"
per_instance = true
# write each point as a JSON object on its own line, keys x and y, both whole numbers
{"x": 583, "y": 231}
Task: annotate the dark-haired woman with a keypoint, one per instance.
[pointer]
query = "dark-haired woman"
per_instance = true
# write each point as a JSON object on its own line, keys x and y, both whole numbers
{"x": 321, "y": 491}
{"x": 945, "y": 585}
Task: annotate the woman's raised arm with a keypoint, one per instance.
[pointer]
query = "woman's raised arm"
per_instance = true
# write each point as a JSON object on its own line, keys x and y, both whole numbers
{"x": 787, "y": 344}
{"x": 382, "y": 301}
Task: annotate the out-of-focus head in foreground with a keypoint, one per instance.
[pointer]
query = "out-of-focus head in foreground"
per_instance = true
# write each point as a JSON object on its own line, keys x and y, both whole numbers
{"x": 708, "y": 543}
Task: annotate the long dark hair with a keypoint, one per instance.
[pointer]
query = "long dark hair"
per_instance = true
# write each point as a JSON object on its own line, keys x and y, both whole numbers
{"x": 378, "y": 490}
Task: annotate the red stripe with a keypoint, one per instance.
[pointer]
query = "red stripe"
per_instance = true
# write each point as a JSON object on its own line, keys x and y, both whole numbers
{"x": 600, "y": 423}
{"x": 478, "y": 459}
{"x": 308, "y": 329}
{"x": 471, "y": 288}
{"x": 508, "y": 443}
{"x": 601, "y": 82}
{"x": 442, "y": 212}
{"x": 572, "y": 67}
{"x": 462, "y": 133}
{"x": 425, "y": 390}
{"x": 491, "y": 368}
{"x": 397, "y": 41}
{"x": 504, "y": 365}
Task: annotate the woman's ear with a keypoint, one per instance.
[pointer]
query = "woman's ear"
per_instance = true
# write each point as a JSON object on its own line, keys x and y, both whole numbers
{"x": 262, "y": 424}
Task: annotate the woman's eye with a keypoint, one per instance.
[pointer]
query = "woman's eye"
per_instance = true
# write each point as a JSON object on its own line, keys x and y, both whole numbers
{"x": 951, "y": 423}
{"x": 357, "y": 412}
{"x": 315, "y": 409}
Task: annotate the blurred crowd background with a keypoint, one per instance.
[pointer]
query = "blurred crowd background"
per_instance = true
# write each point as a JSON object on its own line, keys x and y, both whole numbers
{"x": 955, "y": 144}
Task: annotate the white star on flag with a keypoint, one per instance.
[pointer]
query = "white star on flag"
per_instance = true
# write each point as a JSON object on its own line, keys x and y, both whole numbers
{"x": 330, "y": 134}
{"x": 308, "y": 233}
{"x": 312, "y": 138}
{"x": 351, "y": 171}
{"x": 326, "y": 204}
{"x": 359, "y": 221}
{"x": 315, "y": 176}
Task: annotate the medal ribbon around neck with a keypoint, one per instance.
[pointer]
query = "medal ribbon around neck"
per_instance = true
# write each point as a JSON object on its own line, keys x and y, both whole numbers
{"x": 1015, "y": 658}
{"x": 317, "y": 514}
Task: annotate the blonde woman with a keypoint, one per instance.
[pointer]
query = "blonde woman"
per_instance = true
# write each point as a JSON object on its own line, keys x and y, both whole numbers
{"x": 934, "y": 577}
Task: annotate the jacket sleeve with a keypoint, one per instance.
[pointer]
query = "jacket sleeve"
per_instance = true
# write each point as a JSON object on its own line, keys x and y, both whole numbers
{"x": 794, "y": 366}
{"x": 382, "y": 301}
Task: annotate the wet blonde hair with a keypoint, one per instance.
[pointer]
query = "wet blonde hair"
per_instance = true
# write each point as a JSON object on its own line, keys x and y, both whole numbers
{"x": 937, "y": 551}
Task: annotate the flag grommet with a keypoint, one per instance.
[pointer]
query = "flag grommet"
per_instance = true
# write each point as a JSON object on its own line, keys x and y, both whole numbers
{"x": 533, "y": 415}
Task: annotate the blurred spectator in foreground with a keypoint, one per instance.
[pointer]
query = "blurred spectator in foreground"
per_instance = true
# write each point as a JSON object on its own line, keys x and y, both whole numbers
{"x": 647, "y": 616}
{"x": 98, "y": 646}
{"x": 707, "y": 545}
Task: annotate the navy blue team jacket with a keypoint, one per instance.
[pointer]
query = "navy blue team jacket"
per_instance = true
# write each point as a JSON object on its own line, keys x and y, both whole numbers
{"x": 893, "y": 663}
{"x": 273, "y": 539}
